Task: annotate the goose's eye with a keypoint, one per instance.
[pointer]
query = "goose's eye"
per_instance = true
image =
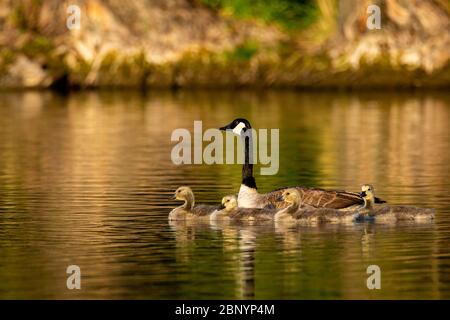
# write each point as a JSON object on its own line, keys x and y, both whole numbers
{"x": 287, "y": 193}
{"x": 228, "y": 201}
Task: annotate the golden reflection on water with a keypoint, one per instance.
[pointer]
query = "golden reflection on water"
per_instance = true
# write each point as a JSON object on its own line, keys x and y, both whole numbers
{"x": 86, "y": 178}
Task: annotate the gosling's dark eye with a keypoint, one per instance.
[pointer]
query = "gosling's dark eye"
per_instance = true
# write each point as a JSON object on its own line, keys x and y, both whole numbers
{"x": 228, "y": 201}
{"x": 287, "y": 193}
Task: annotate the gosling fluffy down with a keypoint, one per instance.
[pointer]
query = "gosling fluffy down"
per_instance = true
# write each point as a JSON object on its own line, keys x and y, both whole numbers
{"x": 229, "y": 210}
{"x": 188, "y": 210}
{"x": 390, "y": 212}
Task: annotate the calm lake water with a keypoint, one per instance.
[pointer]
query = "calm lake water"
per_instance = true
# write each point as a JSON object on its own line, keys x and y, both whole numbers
{"x": 85, "y": 179}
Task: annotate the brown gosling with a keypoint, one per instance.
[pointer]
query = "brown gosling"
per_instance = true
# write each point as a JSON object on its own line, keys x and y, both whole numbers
{"x": 229, "y": 210}
{"x": 391, "y": 213}
{"x": 188, "y": 210}
{"x": 297, "y": 212}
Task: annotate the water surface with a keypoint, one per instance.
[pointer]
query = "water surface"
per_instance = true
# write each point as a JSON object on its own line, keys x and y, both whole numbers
{"x": 85, "y": 179}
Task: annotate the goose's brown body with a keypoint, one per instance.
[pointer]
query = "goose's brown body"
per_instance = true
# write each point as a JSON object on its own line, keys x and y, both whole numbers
{"x": 318, "y": 198}
{"x": 297, "y": 212}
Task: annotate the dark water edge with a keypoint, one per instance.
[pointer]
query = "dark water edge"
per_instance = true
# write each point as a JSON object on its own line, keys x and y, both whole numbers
{"x": 85, "y": 179}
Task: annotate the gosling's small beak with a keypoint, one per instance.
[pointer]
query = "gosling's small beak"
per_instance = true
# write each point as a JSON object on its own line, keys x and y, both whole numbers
{"x": 363, "y": 194}
{"x": 173, "y": 197}
{"x": 280, "y": 198}
{"x": 221, "y": 207}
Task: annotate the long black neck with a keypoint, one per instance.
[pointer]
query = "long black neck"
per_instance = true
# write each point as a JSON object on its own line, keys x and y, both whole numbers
{"x": 247, "y": 169}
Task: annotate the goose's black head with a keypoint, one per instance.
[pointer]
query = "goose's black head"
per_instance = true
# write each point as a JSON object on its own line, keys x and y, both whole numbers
{"x": 238, "y": 126}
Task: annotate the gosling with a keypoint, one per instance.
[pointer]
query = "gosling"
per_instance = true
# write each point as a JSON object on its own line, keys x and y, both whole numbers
{"x": 391, "y": 213}
{"x": 188, "y": 210}
{"x": 297, "y": 212}
{"x": 229, "y": 210}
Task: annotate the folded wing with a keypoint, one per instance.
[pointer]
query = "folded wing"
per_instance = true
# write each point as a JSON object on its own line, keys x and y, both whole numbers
{"x": 318, "y": 198}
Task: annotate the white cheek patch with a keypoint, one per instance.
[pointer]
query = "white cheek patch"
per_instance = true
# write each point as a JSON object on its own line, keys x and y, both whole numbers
{"x": 238, "y": 129}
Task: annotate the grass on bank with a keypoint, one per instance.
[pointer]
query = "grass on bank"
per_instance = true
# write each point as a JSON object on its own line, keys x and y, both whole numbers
{"x": 289, "y": 14}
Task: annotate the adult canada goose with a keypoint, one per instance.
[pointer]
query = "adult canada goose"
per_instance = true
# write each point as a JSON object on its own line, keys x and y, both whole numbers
{"x": 188, "y": 211}
{"x": 392, "y": 213}
{"x": 297, "y": 212}
{"x": 249, "y": 197}
{"x": 229, "y": 210}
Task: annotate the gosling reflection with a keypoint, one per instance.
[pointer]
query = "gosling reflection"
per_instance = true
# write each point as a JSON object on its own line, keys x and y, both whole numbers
{"x": 290, "y": 237}
{"x": 367, "y": 241}
{"x": 238, "y": 240}
{"x": 186, "y": 232}
{"x": 246, "y": 274}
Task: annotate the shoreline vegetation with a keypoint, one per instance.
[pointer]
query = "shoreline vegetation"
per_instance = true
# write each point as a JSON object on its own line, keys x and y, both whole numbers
{"x": 224, "y": 44}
